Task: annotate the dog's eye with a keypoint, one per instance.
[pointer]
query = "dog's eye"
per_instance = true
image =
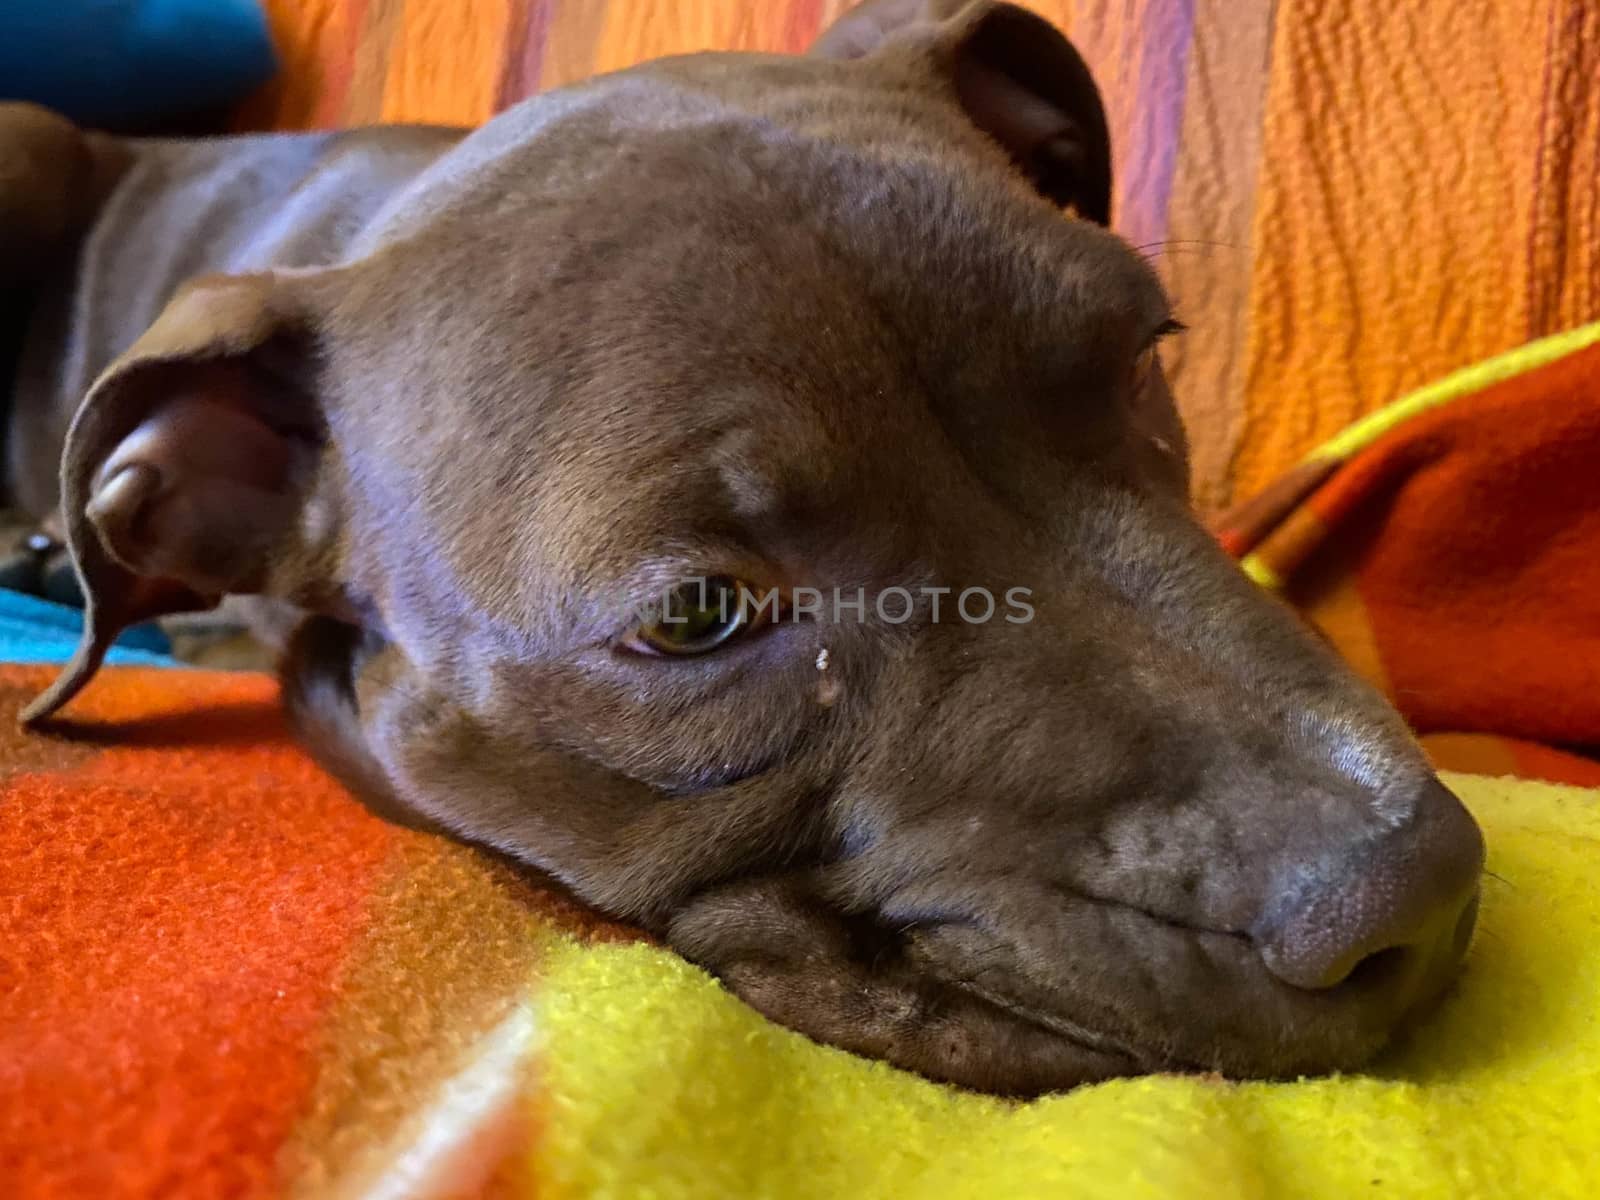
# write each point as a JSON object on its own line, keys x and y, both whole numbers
{"x": 1150, "y": 358}
{"x": 699, "y": 616}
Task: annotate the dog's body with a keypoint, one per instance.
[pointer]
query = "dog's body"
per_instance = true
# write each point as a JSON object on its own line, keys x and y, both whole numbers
{"x": 164, "y": 212}
{"x": 798, "y": 322}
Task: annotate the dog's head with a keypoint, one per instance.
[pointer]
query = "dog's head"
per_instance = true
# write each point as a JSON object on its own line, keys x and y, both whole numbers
{"x": 734, "y": 487}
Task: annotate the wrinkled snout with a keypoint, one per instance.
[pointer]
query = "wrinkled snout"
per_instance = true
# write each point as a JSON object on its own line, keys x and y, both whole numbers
{"x": 1405, "y": 898}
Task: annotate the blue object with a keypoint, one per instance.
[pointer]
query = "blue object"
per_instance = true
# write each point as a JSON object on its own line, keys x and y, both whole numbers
{"x": 130, "y": 64}
{"x": 37, "y": 631}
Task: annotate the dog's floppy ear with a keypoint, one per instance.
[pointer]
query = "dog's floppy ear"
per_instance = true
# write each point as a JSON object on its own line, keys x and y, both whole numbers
{"x": 188, "y": 464}
{"x": 1015, "y": 75}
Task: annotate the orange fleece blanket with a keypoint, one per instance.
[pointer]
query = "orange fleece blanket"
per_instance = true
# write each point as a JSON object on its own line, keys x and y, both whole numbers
{"x": 1449, "y": 545}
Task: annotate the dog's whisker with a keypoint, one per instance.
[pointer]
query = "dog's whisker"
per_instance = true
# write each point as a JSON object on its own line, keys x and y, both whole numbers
{"x": 1172, "y": 252}
{"x": 1195, "y": 247}
{"x": 1169, "y": 243}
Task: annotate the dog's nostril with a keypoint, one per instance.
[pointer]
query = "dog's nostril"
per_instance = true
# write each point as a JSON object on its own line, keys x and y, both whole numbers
{"x": 1374, "y": 969}
{"x": 1368, "y": 910}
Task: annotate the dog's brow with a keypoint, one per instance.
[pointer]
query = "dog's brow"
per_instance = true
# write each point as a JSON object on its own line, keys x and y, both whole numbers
{"x": 752, "y": 492}
{"x": 610, "y": 600}
{"x": 761, "y": 477}
{"x": 1152, "y": 304}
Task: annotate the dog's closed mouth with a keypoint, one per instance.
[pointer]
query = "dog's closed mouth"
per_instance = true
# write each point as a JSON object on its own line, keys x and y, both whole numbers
{"x": 1079, "y": 1035}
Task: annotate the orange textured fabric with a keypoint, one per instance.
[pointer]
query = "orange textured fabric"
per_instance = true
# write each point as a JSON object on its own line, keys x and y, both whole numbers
{"x": 1417, "y": 209}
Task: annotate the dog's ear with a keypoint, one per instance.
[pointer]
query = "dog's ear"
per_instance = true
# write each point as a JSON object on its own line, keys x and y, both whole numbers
{"x": 1015, "y": 75}
{"x": 188, "y": 465}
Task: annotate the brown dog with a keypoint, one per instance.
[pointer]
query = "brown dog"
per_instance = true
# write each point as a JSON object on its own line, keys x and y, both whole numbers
{"x": 460, "y": 403}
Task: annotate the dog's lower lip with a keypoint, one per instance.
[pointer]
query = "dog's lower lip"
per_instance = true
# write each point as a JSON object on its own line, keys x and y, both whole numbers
{"x": 1073, "y": 1032}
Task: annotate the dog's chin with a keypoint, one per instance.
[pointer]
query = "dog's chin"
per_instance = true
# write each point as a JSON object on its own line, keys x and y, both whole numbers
{"x": 1301, "y": 1053}
{"x": 1098, "y": 1056}
{"x": 1203, "y": 1027}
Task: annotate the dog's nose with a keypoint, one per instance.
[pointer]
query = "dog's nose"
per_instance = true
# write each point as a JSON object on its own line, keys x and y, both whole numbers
{"x": 1410, "y": 892}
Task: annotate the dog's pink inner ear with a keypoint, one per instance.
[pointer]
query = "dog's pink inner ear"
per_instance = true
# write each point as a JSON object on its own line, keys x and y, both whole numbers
{"x": 199, "y": 491}
{"x": 1017, "y": 78}
{"x": 185, "y": 469}
{"x": 1024, "y": 85}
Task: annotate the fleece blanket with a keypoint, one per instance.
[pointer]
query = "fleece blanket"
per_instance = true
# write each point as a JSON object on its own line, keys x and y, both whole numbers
{"x": 1348, "y": 200}
{"x": 219, "y": 976}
